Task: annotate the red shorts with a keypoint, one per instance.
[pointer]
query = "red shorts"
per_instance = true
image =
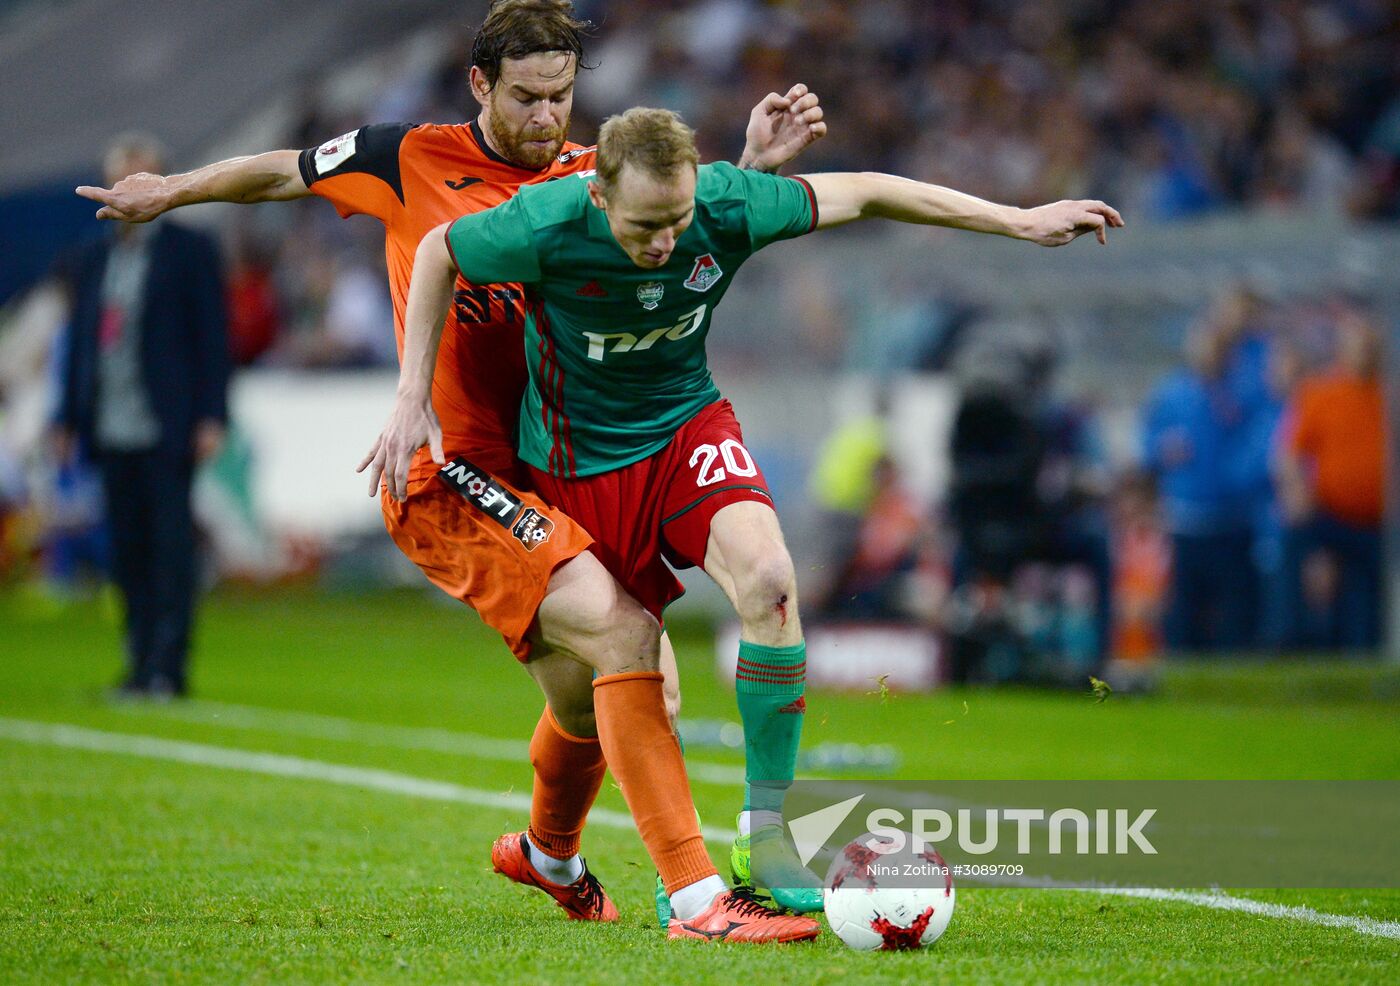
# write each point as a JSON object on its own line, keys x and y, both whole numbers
{"x": 662, "y": 506}
{"x": 486, "y": 542}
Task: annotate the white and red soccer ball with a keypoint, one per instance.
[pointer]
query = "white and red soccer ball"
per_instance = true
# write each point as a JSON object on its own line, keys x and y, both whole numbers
{"x": 896, "y": 916}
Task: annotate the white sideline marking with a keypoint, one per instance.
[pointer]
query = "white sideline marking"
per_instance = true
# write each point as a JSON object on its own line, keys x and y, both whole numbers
{"x": 282, "y": 765}
{"x": 1220, "y": 901}
{"x": 1245, "y": 905}
{"x": 428, "y": 739}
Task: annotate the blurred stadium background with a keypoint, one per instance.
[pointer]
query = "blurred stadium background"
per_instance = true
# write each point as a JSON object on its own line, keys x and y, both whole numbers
{"x": 1253, "y": 147}
{"x": 985, "y": 455}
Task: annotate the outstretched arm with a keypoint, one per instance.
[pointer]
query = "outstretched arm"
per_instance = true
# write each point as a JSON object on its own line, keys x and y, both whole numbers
{"x": 413, "y": 423}
{"x": 271, "y": 177}
{"x": 780, "y": 128}
{"x": 844, "y": 198}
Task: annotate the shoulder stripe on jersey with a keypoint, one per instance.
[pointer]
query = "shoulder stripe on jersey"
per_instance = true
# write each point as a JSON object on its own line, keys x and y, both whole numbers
{"x": 375, "y": 153}
{"x": 811, "y": 197}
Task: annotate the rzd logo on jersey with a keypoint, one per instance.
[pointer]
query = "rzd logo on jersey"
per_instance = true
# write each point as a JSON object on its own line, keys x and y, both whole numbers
{"x": 602, "y": 344}
{"x": 533, "y": 528}
{"x": 704, "y": 274}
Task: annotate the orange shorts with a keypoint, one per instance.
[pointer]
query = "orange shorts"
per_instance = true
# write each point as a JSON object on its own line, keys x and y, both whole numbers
{"x": 485, "y": 542}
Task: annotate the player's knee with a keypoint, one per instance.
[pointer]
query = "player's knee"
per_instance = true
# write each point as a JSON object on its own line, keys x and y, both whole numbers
{"x": 633, "y": 640}
{"x": 767, "y": 588}
{"x": 576, "y": 719}
{"x": 614, "y": 634}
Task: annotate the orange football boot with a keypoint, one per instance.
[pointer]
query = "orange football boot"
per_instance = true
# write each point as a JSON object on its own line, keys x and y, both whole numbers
{"x": 583, "y": 900}
{"x": 736, "y": 916}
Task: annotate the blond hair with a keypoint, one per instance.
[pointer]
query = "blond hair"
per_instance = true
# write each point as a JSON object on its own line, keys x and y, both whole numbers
{"x": 657, "y": 142}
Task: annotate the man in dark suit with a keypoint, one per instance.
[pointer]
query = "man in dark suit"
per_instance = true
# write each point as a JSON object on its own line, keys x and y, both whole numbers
{"x": 144, "y": 387}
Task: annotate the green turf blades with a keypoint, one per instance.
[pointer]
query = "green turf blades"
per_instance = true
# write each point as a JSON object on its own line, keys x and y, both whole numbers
{"x": 799, "y": 890}
{"x": 121, "y": 869}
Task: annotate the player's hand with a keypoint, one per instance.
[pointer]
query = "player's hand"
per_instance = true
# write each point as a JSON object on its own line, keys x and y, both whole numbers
{"x": 412, "y": 424}
{"x": 1060, "y": 222}
{"x": 782, "y": 127}
{"x": 138, "y": 198}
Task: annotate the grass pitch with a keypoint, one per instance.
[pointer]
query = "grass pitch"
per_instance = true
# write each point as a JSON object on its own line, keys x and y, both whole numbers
{"x": 155, "y": 844}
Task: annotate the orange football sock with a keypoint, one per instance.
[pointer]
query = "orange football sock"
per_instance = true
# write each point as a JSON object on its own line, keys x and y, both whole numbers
{"x": 645, "y": 757}
{"x": 568, "y": 774}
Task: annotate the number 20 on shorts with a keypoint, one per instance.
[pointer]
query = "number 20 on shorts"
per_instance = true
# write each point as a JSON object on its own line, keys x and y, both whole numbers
{"x": 735, "y": 459}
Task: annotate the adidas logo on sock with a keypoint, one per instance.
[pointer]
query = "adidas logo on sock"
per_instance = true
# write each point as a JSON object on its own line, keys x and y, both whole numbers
{"x": 796, "y": 708}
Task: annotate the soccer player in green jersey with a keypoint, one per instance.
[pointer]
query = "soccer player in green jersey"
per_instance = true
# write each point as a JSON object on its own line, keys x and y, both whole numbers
{"x": 622, "y": 424}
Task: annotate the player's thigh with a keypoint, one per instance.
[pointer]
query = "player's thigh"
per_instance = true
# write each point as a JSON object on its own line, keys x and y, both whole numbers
{"x": 568, "y": 688}
{"x": 588, "y": 616}
{"x": 490, "y": 545}
{"x": 746, "y": 553}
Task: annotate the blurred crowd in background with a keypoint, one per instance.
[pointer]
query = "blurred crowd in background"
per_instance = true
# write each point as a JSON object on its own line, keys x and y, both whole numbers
{"x": 1252, "y": 517}
{"x": 1167, "y": 108}
{"x": 1249, "y": 515}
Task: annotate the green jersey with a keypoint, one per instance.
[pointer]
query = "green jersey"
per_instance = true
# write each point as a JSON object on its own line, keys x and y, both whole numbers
{"x": 616, "y": 353}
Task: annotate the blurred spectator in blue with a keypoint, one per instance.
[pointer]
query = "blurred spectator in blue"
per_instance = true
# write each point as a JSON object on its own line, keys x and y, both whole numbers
{"x": 1261, "y": 368}
{"x": 144, "y": 387}
{"x": 1274, "y": 553}
{"x": 1192, "y": 424}
{"x": 1333, "y": 486}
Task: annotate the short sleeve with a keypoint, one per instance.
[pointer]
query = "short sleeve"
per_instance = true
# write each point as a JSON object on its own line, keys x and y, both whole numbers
{"x": 496, "y": 246}
{"x": 359, "y": 172}
{"x": 777, "y": 208}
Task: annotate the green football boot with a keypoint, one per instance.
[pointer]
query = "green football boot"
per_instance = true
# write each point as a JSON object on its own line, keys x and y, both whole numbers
{"x": 790, "y": 883}
{"x": 663, "y": 904}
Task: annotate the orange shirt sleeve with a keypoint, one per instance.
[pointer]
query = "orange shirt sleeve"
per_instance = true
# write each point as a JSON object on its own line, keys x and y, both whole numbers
{"x": 359, "y": 172}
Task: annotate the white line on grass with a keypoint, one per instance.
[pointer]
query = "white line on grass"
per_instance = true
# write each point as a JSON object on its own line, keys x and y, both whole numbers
{"x": 1224, "y": 902}
{"x": 431, "y": 740}
{"x": 282, "y": 765}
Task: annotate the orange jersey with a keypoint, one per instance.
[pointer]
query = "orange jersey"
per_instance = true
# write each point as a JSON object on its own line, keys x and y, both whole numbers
{"x": 412, "y": 178}
{"x": 1339, "y": 425}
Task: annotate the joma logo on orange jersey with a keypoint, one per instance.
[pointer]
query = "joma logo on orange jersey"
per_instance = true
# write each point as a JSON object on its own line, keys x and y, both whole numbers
{"x": 601, "y": 344}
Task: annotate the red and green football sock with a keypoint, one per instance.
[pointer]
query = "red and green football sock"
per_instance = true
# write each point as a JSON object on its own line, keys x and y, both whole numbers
{"x": 770, "y": 682}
